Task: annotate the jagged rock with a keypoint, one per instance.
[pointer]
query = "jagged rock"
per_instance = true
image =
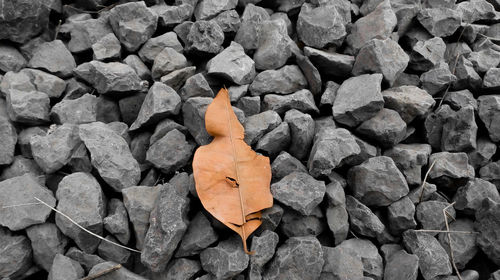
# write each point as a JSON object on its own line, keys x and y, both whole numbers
{"x": 77, "y": 111}
{"x": 108, "y": 47}
{"x": 427, "y": 54}
{"x": 476, "y": 10}
{"x": 229, "y": 21}
{"x": 205, "y": 37}
{"x": 199, "y": 235}
{"x": 193, "y": 113}
{"x": 24, "y": 137}
{"x": 169, "y": 16}
{"x": 302, "y": 132}
{"x": 11, "y": 59}
{"x": 386, "y": 127}
{"x": 163, "y": 127}
{"x": 138, "y": 65}
{"x": 340, "y": 264}
{"x": 464, "y": 245}
{"x": 410, "y": 158}
{"x": 116, "y": 221}
{"x": 54, "y": 57}
{"x": 491, "y": 80}
{"x": 294, "y": 224}
{"x": 155, "y": 45}
{"x": 285, "y": 164}
{"x": 400, "y": 215}
{"x": 16, "y": 254}
{"x": 362, "y": 220}
{"x": 311, "y": 73}
{"x": 33, "y": 80}
{"x": 258, "y": 125}
{"x": 331, "y": 64}
{"x": 481, "y": 156}
{"x": 249, "y": 32}
{"x": 450, "y": 167}
{"x": 177, "y": 78}
{"x": 86, "y": 260}
{"x": 437, "y": 78}
{"x": 401, "y": 265}
{"x": 300, "y": 191}
{"x": 490, "y": 172}
{"x": 111, "y": 252}
{"x": 430, "y": 214}
{"x": 65, "y": 268}
{"x": 275, "y": 140}
{"x": 20, "y": 25}
{"x": 28, "y": 107}
{"x": 167, "y": 61}
{"x": 409, "y": 101}
{"x": 9, "y": 139}
{"x": 47, "y": 241}
{"x": 302, "y": 100}
{"x": 273, "y": 48}
{"x": 20, "y": 166}
{"x": 233, "y": 64}
{"x": 207, "y": 9}
{"x": 196, "y": 85}
{"x": 338, "y": 222}
{"x": 121, "y": 273}
{"x": 85, "y": 32}
{"x": 441, "y": 21}
{"x": 459, "y": 99}
{"x": 320, "y": 26}
{"x": 112, "y": 157}
{"x": 226, "y": 260}
{"x": 264, "y": 247}
{"x": 171, "y": 152}
{"x": 250, "y": 105}
{"x": 459, "y": 131}
{"x": 487, "y": 224}
{"x": 366, "y": 251}
{"x": 489, "y": 108}
{"x": 285, "y": 80}
{"x": 329, "y": 95}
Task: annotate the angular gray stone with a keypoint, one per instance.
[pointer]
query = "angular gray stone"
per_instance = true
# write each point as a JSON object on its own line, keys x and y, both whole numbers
{"x": 9, "y": 138}
{"x": 24, "y": 137}
{"x": 85, "y": 32}
{"x": 450, "y": 167}
{"x": 430, "y": 214}
{"x": 294, "y": 224}
{"x": 110, "y": 155}
{"x": 369, "y": 255}
{"x": 291, "y": 257}
{"x": 460, "y": 99}
{"x": 275, "y": 140}
{"x": 490, "y": 172}
{"x": 233, "y": 64}
{"x": 301, "y": 131}
{"x": 133, "y": 23}
{"x": 20, "y": 25}
{"x": 387, "y": 128}
{"x": 20, "y": 166}
{"x": 109, "y": 78}
{"x": 86, "y": 260}
{"x": 168, "y": 16}
{"x": 338, "y": 222}
{"x": 250, "y": 105}
{"x": 108, "y": 47}
{"x": 320, "y": 26}
{"x": 367, "y": 151}
{"x": 81, "y": 198}
{"x": 401, "y": 216}
{"x": 111, "y": 252}
{"x": 481, "y": 156}
{"x": 330, "y": 64}
{"x": 466, "y": 75}
{"x": 249, "y": 32}
{"x": 358, "y": 99}
{"x": 108, "y": 110}
{"x": 401, "y": 265}
{"x": 433, "y": 125}
{"x": 437, "y": 78}
{"x": 460, "y": 131}
{"x": 171, "y": 152}
{"x": 340, "y": 264}
{"x": 409, "y": 159}
{"x": 46, "y": 241}
{"x": 193, "y": 113}
{"x": 199, "y": 235}
{"x": 464, "y": 245}
{"x": 362, "y": 220}
{"x": 21, "y": 190}
{"x": 491, "y": 80}
{"x": 33, "y": 80}
{"x": 409, "y": 101}
{"x": 258, "y": 125}
{"x": 207, "y": 9}
{"x": 285, "y": 80}
{"x": 433, "y": 260}
{"x": 271, "y": 217}
{"x": 54, "y": 57}
{"x": 469, "y": 198}
{"x": 11, "y": 59}
{"x": 273, "y": 48}
{"x": 226, "y": 260}
{"x": 155, "y": 45}
{"x": 285, "y": 164}
{"x": 487, "y": 224}
{"x": 229, "y": 21}
{"x": 205, "y": 37}
{"x": 177, "y": 78}
{"x": 330, "y": 147}
{"x": 299, "y": 191}
{"x": 311, "y": 73}
{"x": 196, "y": 85}
{"x": 476, "y": 10}
{"x": 16, "y": 254}
{"x": 381, "y": 56}
{"x": 122, "y": 273}
{"x": 422, "y": 193}
{"x": 302, "y": 100}
{"x": 138, "y": 65}
{"x": 489, "y": 112}
{"x": 65, "y": 268}
{"x": 116, "y": 221}
{"x": 139, "y": 201}
{"x": 377, "y": 182}
{"x": 329, "y": 95}
{"x": 163, "y": 127}
{"x": 28, "y": 107}
{"x": 166, "y": 61}
{"x": 77, "y": 111}
{"x": 441, "y": 21}
{"x": 427, "y": 54}
{"x": 264, "y": 247}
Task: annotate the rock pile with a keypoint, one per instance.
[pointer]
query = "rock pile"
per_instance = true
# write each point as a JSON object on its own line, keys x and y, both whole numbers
{"x": 102, "y": 106}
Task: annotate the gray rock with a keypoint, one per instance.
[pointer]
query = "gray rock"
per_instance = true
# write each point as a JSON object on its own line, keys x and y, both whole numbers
{"x": 433, "y": 260}
{"x": 466, "y": 75}
{"x": 302, "y": 100}
{"x": 264, "y": 247}
{"x": 163, "y": 127}
{"x": 108, "y": 110}
{"x": 168, "y": 222}
{"x": 160, "y": 102}
{"x": 193, "y": 113}
{"x": 11, "y": 59}
{"x": 300, "y": 191}
{"x": 476, "y": 10}
{"x": 20, "y": 166}
{"x": 481, "y": 156}
{"x": 362, "y": 220}
{"x": 401, "y": 216}
{"x": 16, "y": 254}
{"x": 437, "y": 78}
{"x": 33, "y": 80}
{"x": 335, "y": 190}
{"x": 181, "y": 268}
{"x": 369, "y": 255}
{"x": 65, "y": 268}
{"x": 358, "y": 99}
{"x": 273, "y": 48}
{"x": 28, "y": 107}
{"x": 116, "y": 221}
{"x": 155, "y": 45}
{"x": 490, "y": 172}
{"x": 340, "y": 264}
{"x": 9, "y": 139}
{"x": 249, "y": 32}
{"x": 258, "y": 125}
{"x": 205, "y": 37}
{"x": 285, "y": 164}
{"x": 409, "y": 101}
{"x": 139, "y": 201}
{"x": 401, "y": 265}
{"x": 20, "y": 25}
{"x": 406, "y": 79}
{"x": 489, "y": 108}
{"x": 111, "y": 158}
{"x": 196, "y": 85}
{"x": 111, "y": 252}
{"x": 275, "y": 140}
{"x": 138, "y": 65}
{"x": 430, "y": 214}
{"x": 139, "y": 146}
{"x": 377, "y": 182}
{"x": 109, "y": 78}
{"x": 77, "y": 111}
{"x": 409, "y": 159}
{"x": 422, "y": 193}
{"x": 459, "y": 131}
{"x": 459, "y": 99}
{"x": 495, "y": 275}
{"x": 320, "y": 26}
{"x": 24, "y": 137}
{"x": 450, "y": 167}
{"x": 86, "y": 260}
{"x": 177, "y": 78}
{"x": 199, "y": 235}
{"x": 468, "y": 198}
{"x": 108, "y": 47}
{"x": 290, "y": 258}
{"x": 329, "y": 95}
{"x": 302, "y": 132}
{"x": 54, "y": 57}
{"x": 121, "y": 129}
{"x": 387, "y": 128}
{"x": 330, "y": 147}
{"x": 233, "y": 64}
{"x": 330, "y": 64}
{"x": 487, "y": 224}
{"x": 168, "y": 16}
{"x": 381, "y": 56}
{"x": 285, "y": 80}
{"x": 80, "y": 160}
{"x": 122, "y": 273}
{"x": 433, "y": 125}
{"x": 367, "y": 151}
{"x": 207, "y": 9}
{"x": 338, "y": 222}
{"x": 85, "y": 32}
{"x": 236, "y": 92}
{"x": 46, "y": 241}
{"x": 427, "y": 54}
{"x": 491, "y": 80}
{"x": 81, "y": 198}
{"x": 21, "y": 190}
{"x": 271, "y": 217}
{"x": 377, "y": 24}
{"x": 133, "y": 23}
{"x": 229, "y": 21}
{"x": 250, "y": 105}
{"x": 294, "y": 224}
{"x": 226, "y": 260}
{"x": 441, "y": 21}
{"x": 166, "y": 61}
{"x": 311, "y": 73}
{"x": 171, "y": 152}
{"x": 464, "y": 245}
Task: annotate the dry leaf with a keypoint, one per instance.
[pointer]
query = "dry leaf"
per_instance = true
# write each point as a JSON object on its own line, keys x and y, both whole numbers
{"x": 232, "y": 181}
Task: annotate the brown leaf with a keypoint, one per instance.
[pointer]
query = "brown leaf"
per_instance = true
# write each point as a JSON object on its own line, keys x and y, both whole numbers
{"x": 232, "y": 181}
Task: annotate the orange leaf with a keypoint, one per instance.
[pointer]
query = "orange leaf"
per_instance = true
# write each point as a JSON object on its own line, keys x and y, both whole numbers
{"x": 232, "y": 181}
